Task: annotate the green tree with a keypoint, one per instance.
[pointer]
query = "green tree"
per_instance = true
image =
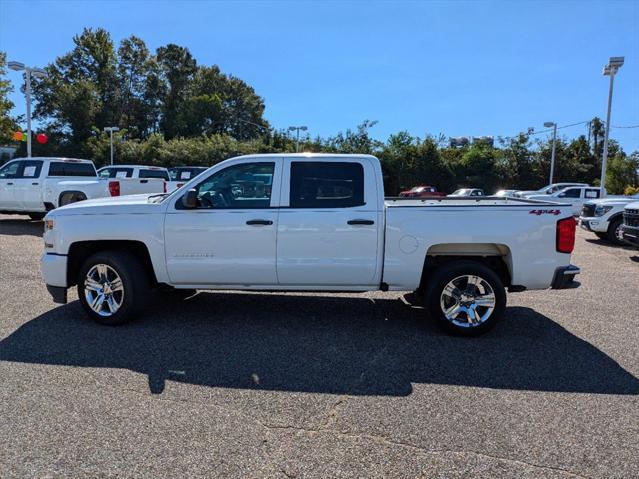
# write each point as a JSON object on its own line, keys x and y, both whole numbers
{"x": 177, "y": 68}
{"x": 8, "y": 124}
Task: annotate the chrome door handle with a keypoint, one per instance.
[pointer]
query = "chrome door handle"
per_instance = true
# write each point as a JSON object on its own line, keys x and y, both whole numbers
{"x": 361, "y": 222}
{"x": 259, "y": 222}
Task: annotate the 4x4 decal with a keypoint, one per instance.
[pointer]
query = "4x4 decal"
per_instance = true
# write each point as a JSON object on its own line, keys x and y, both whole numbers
{"x": 544, "y": 212}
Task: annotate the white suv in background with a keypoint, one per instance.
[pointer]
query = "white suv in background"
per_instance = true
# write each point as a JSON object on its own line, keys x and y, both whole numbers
{"x": 604, "y": 217}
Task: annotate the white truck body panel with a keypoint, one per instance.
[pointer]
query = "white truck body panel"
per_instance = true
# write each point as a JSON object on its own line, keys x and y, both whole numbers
{"x": 314, "y": 248}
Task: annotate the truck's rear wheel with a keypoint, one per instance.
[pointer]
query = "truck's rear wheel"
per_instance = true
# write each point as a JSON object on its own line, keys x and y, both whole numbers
{"x": 71, "y": 197}
{"x": 112, "y": 287}
{"x": 465, "y": 297}
{"x": 36, "y": 216}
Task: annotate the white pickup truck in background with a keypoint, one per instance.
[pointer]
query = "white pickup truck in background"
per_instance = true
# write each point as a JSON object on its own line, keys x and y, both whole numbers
{"x": 137, "y": 179}
{"x": 33, "y": 186}
{"x": 307, "y": 222}
{"x": 181, "y": 175}
{"x": 604, "y": 217}
{"x": 575, "y": 196}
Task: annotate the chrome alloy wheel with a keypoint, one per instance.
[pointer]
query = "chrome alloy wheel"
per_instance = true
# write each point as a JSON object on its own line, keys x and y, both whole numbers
{"x": 467, "y": 301}
{"x": 103, "y": 290}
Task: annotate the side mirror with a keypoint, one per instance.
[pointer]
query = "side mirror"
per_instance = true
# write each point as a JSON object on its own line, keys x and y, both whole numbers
{"x": 189, "y": 200}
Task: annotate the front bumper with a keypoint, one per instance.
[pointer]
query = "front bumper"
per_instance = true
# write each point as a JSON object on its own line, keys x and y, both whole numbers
{"x": 53, "y": 268}
{"x": 564, "y": 277}
{"x": 630, "y": 235}
{"x": 595, "y": 224}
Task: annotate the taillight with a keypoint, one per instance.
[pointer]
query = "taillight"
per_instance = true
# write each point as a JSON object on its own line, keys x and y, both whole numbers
{"x": 566, "y": 235}
{"x": 114, "y": 188}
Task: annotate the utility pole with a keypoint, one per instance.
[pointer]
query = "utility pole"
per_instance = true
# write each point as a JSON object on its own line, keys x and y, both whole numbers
{"x": 614, "y": 64}
{"x": 297, "y": 142}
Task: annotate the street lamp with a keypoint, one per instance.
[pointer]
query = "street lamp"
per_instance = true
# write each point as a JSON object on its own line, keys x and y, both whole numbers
{"x": 550, "y": 124}
{"x": 298, "y": 128}
{"x": 614, "y": 64}
{"x": 29, "y": 71}
{"x": 111, "y": 129}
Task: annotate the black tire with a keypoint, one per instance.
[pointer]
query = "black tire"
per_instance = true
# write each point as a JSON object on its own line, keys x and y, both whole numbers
{"x": 613, "y": 228}
{"x": 456, "y": 270}
{"x": 602, "y": 236}
{"x": 37, "y": 216}
{"x": 135, "y": 284}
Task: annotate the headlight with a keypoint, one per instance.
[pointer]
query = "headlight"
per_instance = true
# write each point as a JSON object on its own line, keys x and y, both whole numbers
{"x": 602, "y": 210}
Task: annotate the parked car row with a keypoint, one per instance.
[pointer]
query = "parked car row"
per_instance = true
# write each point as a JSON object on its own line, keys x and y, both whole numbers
{"x": 36, "y": 185}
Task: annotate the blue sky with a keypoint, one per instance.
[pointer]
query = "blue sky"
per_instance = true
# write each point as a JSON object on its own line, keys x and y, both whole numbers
{"x": 458, "y": 68}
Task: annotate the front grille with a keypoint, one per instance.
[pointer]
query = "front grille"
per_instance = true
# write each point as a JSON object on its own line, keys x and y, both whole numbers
{"x": 631, "y": 218}
{"x": 588, "y": 211}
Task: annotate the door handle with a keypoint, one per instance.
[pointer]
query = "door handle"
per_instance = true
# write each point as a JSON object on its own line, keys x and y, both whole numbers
{"x": 9, "y": 184}
{"x": 360, "y": 222}
{"x": 144, "y": 181}
{"x": 259, "y": 222}
{"x": 35, "y": 184}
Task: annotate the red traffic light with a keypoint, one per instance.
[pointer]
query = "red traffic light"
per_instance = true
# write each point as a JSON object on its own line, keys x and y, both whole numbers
{"x": 41, "y": 138}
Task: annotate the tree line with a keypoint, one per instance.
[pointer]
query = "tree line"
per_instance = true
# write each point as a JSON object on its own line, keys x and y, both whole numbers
{"x": 172, "y": 111}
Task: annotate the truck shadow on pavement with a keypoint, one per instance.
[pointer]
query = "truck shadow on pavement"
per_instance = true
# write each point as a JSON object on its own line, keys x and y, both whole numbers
{"x": 336, "y": 345}
{"x": 21, "y": 226}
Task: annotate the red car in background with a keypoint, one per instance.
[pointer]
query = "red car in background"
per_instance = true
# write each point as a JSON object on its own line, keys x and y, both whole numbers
{"x": 423, "y": 191}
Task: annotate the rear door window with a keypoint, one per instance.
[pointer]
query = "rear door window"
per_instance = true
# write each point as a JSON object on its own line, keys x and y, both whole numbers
{"x": 116, "y": 173}
{"x": 31, "y": 169}
{"x": 70, "y": 168}
{"x": 326, "y": 185}
{"x": 571, "y": 193}
{"x": 592, "y": 193}
{"x": 154, "y": 174}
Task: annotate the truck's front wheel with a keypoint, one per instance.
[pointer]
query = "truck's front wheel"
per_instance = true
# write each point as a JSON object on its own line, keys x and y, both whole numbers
{"x": 465, "y": 297}
{"x": 112, "y": 287}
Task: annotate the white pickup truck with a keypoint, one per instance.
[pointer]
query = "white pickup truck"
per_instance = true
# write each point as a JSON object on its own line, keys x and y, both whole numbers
{"x": 33, "y": 186}
{"x": 307, "y": 222}
{"x": 137, "y": 179}
{"x": 604, "y": 217}
{"x": 574, "y": 195}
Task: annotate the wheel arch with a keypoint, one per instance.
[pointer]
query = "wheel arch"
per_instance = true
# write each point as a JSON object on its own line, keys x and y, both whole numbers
{"x": 81, "y": 250}
{"x": 77, "y": 193}
{"x": 496, "y": 256}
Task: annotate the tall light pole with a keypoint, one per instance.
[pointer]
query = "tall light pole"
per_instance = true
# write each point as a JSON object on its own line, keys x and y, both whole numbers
{"x": 111, "y": 129}
{"x": 549, "y": 124}
{"x": 298, "y": 128}
{"x": 614, "y": 64}
{"x": 29, "y": 71}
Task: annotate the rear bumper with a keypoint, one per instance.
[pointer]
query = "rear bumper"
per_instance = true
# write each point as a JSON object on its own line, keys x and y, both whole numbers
{"x": 595, "y": 224}
{"x": 630, "y": 235}
{"x": 564, "y": 277}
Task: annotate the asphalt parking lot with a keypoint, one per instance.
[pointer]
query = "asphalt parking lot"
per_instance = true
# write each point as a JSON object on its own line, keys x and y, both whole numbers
{"x": 302, "y": 385}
